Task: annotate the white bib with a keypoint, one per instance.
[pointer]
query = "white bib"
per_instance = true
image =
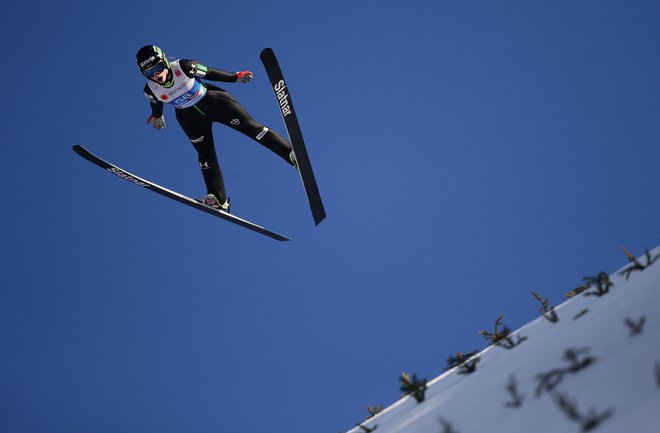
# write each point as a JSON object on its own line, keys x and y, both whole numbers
{"x": 184, "y": 93}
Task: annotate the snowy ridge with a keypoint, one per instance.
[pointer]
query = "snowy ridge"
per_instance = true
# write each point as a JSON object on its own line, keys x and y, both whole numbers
{"x": 590, "y": 371}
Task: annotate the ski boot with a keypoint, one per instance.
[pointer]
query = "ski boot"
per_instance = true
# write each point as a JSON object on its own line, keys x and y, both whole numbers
{"x": 294, "y": 161}
{"x": 212, "y": 200}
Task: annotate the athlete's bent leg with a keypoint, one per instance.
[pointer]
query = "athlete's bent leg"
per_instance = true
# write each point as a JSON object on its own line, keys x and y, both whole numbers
{"x": 200, "y": 134}
{"x": 226, "y": 110}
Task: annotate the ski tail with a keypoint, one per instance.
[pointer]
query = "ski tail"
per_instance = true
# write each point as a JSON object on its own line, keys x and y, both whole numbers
{"x": 283, "y": 96}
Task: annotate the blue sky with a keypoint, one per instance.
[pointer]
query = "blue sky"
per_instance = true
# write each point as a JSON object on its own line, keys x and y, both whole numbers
{"x": 467, "y": 153}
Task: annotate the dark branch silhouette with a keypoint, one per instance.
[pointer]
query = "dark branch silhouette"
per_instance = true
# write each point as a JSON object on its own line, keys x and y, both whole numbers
{"x": 365, "y": 428}
{"x": 637, "y": 266}
{"x": 602, "y": 282}
{"x": 576, "y": 291}
{"x": 581, "y": 313}
{"x": 414, "y": 387}
{"x": 446, "y": 426}
{"x": 635, "y": 328}
{"x": 467, "y": 362}
{"x": 630, "y": 257}
{"x": 577, "y": 363}
{"x": 549, "y": 380}
{"x": 588, "y": 421}
{"x": 546, "y": 310}
{"x": 577, "y": 359}
{"x": 501, "y": 338}
{"x": 516, "y": 398}
{"x": 373, "y": 411}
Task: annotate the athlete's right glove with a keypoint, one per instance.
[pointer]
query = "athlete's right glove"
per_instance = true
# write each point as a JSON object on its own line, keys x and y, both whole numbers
{"x": 244, "y": 76}
{"x": 157, "y": 122}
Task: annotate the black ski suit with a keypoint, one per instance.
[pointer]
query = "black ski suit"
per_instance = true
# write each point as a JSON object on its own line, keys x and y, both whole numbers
{"x": 217, "y": 106}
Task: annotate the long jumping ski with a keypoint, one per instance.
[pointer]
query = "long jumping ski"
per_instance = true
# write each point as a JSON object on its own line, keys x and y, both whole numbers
{"x": 295, "y": 135}
{"x": 135, "y": 180}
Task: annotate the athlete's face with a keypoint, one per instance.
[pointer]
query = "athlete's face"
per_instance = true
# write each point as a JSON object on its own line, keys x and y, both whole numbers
{"x": 157, "y": 73}
{"x": 161, "y": 76}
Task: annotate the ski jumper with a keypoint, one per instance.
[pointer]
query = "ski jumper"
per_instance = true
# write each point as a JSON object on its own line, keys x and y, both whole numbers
{"x": 198, "y": 105}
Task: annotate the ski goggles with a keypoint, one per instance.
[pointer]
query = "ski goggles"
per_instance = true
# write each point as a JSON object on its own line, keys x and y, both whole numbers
{"x": 160, "y": 67}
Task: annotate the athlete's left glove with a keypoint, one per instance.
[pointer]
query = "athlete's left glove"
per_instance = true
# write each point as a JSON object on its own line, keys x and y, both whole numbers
{"x": 157, "y": 122}
{"x": 244, "y": 76}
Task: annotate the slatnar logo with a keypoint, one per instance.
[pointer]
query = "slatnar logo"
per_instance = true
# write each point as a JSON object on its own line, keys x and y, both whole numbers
{"x": 282, "y": 98}
{"x": 119, "y": 172}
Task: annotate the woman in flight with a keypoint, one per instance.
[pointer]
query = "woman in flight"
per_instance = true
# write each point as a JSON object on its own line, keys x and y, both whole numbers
{"x": 197, "y": 105}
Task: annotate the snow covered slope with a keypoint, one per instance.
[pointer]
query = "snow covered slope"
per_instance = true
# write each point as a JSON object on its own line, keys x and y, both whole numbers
{"x": 589, "y": 371}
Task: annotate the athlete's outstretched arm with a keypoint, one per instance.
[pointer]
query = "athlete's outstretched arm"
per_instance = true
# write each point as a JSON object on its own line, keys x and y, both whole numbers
{"x": 156, "y": 119}
{"x": 156, "y": 105}
{"x": 193, "y": 68}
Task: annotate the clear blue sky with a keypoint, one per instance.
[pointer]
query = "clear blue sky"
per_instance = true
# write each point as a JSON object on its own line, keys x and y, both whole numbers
{"x": 467, "y": 152}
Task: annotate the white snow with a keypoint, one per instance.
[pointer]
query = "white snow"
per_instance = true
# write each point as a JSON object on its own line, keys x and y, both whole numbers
{"x": 623, "y": 379}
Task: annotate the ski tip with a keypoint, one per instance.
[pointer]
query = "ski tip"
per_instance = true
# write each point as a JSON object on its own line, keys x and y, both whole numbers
{"x": 265, "y": 52}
